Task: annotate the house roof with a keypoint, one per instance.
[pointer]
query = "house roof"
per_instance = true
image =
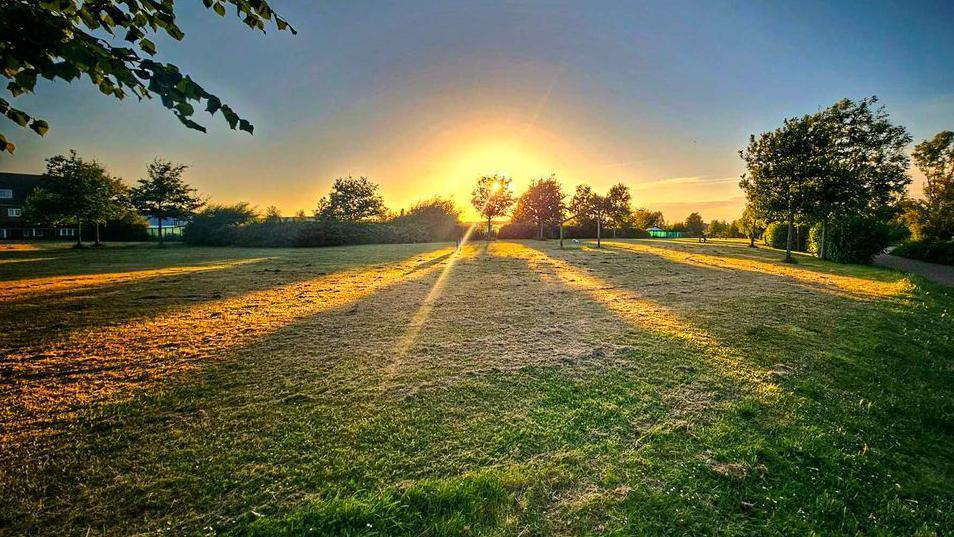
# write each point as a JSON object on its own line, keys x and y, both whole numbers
{"x": 654, "y": 228}
{"x": 21, "y": 181}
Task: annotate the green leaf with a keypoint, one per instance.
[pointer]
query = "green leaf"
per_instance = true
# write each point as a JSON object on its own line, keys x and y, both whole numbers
{"x": 39, "y": 126}
{"x": 18, "y": 117}
{"x": 219, "y": 8}
{"x": 147, "y": 46}
{"x": 244, "y": 125}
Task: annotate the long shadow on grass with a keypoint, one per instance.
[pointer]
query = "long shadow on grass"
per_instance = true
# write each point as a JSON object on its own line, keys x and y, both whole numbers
{"x": 291, "y": 427}
{"x": 50, "y": 382}
{"x": 82, "y": 302}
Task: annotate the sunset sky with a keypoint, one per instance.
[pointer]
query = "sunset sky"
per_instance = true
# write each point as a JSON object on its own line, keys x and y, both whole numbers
{"x": 423, "y": 97}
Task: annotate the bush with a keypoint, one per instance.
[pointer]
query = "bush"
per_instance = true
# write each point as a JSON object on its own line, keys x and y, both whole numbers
{"x": 216, "y": 224}
{"x": 518, "y": 230}
{"x": 776, "y": 235}
{"x": 130, "y": 227}
{"x": 433, "y": 220}
{"x": 933, "y": 251}
{"x": 853, "y": 239}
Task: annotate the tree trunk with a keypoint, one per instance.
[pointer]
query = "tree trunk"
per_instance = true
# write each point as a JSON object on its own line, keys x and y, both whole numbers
{"x": 489, "y": 228}
{"x": 791, "y": 233}
{"x": 79, "y": 231}
{"x": 598, "y": 230}
{"x": 160, "y": 232}
{"x": 97, "y": 243}
{"x": 541, "y": 230}
{"x": 561, "y": 235}
{"x": 823, "y": 248}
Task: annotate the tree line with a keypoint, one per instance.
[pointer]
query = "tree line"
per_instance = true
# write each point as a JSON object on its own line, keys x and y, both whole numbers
{"x": 837, "y": 181}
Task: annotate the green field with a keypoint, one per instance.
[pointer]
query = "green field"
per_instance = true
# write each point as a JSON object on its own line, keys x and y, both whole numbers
{"x": 648, "y": 387}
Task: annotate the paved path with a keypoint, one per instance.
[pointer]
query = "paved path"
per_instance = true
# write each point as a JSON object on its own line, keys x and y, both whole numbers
{"x": 943, "y": 274}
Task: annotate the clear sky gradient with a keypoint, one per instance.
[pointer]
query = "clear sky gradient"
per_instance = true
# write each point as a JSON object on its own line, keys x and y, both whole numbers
{"x": 423, "y": 97}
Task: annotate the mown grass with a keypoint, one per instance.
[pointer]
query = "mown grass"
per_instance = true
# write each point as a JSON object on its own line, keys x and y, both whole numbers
{"x": 651, "y": 387}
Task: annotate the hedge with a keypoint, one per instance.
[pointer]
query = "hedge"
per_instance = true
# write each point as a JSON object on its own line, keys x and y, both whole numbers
{"x": 934, "y": 251}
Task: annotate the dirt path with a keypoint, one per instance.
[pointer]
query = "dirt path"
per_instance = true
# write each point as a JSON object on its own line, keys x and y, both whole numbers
{"x": 935, "y": 272}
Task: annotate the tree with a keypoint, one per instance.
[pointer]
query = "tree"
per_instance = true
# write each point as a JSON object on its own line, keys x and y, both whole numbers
{"x": 645, "y": 219}
{"x": 862, "y": 163}
{"x": 215, "y": 225}
{"x": 272, "y": 214}
{"x": 752, "y": 223}
{"x": 66, "y": 39}
{"x": 935, "y": 159}
{"x": 492, "y": 197}
{"x": 695, "y": 227}
{"x": 780, "y": 164}
{"x": 434, "y": 219}
{"x": 76, "y": 190}
{"x": 541, "y": 204}
{"x": 352, "y": 200}
{"x": 163, "y": 194}
{"x": 109, "y": 201}
{"x": 588, "y": 205}
{"x": 619, "y": 211}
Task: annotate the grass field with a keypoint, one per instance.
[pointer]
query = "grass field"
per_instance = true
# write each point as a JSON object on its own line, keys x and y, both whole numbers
{"x": 648, "y": 387}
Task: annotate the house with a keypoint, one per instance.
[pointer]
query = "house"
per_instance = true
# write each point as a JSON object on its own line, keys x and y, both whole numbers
{"x": 14, "y": 190}
{"x": 664, "y": 233}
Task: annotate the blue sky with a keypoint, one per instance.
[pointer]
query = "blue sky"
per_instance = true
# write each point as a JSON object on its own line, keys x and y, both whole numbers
{"x": 425, "y": 96}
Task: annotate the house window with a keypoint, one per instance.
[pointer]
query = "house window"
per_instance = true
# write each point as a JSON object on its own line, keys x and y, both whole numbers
{"x": 66, "y": 232}
{"x": 6, "y": 194}
{"x": 14, "y": 212}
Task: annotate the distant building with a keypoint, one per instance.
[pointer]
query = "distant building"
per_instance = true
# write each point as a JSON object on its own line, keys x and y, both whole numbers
{"x": 660, "y": 233}
{"x": 171, "y": 227}
{"x": 14, "y": 190}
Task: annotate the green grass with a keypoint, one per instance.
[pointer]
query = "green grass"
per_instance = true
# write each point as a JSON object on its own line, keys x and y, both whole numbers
{"x": 647, "y": 388}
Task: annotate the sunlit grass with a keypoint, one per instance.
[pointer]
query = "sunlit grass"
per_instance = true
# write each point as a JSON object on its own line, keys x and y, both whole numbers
{"x": 849, "y": 285}
{"x": 528, "y": 390}
{"x": 95, "y": 365}
{"x": 24, "y": 288}
{"x": 645, "y": 314}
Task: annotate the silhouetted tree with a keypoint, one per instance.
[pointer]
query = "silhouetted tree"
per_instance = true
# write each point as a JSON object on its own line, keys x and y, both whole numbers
{"x": 541, "y": 204}
{"x": 695, "y": 227}
{"x": 272, "y": 214}
{"x": 588, "y": 205}
{"x": 163, "y": 194}
{"x": 645, "y": 219}
{"x": 64, "y": 39}
{"x": 492, "y": 197}
{"x": 935, "y": 159}
{"x": 352, "y": 200}
{"x": 76, "y": 190}
{"x": 619, "y": 211}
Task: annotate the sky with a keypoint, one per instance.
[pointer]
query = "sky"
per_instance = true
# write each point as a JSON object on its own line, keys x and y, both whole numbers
{"x": 423, "y": 97}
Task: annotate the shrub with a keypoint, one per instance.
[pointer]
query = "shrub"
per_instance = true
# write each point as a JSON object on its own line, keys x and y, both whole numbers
{"x": 432, "y": 220}
{"x": 129, "y": 227}
{"x": 934, "y": 251}
{"x": 518, "y": 230}
{"x": 853, "y": 239}
{"x": 216, "y": 224}
{"x": 776, "y": 235}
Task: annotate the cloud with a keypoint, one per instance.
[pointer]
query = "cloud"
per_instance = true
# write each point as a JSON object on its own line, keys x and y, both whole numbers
{"x": 688, "y": 180}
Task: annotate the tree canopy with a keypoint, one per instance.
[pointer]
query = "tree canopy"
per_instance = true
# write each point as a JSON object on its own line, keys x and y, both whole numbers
{"x": 935, "y": 159}
{"x": 352, "y": 200}
{"x": 111, "y": 42}
{"x": 164, "y": 194}
{"x": 492, "y": 197}
{"x": 541, "y": 204}
{"x": 76, "y": 190}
